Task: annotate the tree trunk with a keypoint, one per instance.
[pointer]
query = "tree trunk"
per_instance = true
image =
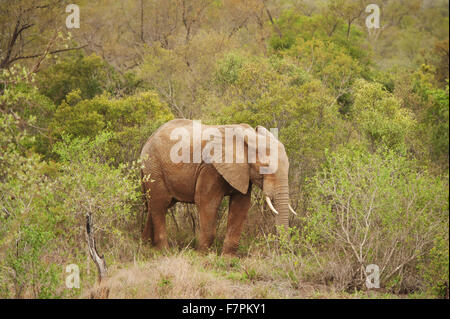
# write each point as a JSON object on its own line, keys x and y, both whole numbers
{"x": 99, "y": 292}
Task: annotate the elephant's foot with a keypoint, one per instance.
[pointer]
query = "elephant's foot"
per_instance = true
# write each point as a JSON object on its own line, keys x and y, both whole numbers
{"x": 203, "y": 247}
{"x": 229, "y": 253}
{"x": 230, "y": 249}
{"x": 205, "y": 240}
{"x": 161, "y": 245}
{"x": 147, "y": 234}
{"x": 146, "y": 238}
{"x": 202, "y": 250}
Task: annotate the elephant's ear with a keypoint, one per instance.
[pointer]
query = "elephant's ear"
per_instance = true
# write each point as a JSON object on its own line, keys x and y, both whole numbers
{"x": 236, "y": 174}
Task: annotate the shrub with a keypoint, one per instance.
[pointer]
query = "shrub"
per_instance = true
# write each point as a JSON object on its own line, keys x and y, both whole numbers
{"x": 24, "y": 262}
{"x": 378, "y": 209}
{"x": 227, "y": 70}
{"x": 25, "y": 232}
{"x": 131, "y": 119}
{"x": 90, "y": 74}
{"x": 32, "y": 111}
{"x": 437, "y": 124}
{"x": 43, "y": 207}
{"x": 434, "y": 265}
{"x": 278, "y": 94}
{"x": 379, "y": 116}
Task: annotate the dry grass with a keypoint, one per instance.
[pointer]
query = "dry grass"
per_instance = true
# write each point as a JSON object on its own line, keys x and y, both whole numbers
{"x": 190, "y": 275}
{"x": 177, "y": 276}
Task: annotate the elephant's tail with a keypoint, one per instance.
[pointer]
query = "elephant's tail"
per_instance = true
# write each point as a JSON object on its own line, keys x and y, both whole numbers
{"x": 144, "y": 195}
{"x": 148, "y": 229}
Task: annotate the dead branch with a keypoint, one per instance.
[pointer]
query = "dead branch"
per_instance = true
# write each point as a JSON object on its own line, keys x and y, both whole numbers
{"x": 45, "y": 53}
{"x": 100, "y": 292}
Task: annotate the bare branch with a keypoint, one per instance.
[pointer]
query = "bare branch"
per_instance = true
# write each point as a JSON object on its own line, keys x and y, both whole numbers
{"x": 101, "y": 292}
{"x": 41, "y": 54}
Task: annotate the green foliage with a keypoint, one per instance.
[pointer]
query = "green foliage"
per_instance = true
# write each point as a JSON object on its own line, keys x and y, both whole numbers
{"x": 276, "y": 93}
{"x": 434, "y": 266}
{"x": 227, "y": 71}
{"x": 25, "y": 264}
{"x": 329, "y": 62}
{"x": 297, "y": 29}
{"x": 380, "y": 117}
{"x": 88, "y": 74}
{"x": 131, "y": 119}
{"x": 437, "y": 124}
{"x": 31, "y": 109}
{"x": 44, "y": 204}
{"x": 286, "y": 240}
{"x": 25, "y": 233}
{"x": 166, "y": 72}
{"x": 376, "y": 209}
{"x": 110, "y": 192}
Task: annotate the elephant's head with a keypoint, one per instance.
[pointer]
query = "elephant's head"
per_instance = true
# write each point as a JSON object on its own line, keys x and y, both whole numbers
{"x": 262, "y": 161}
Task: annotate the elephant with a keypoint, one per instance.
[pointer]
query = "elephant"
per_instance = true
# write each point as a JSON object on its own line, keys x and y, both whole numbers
{"x": 206, "y": 179}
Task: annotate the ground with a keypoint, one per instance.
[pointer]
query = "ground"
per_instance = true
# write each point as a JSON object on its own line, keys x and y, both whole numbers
{"x": 188, "y": 274}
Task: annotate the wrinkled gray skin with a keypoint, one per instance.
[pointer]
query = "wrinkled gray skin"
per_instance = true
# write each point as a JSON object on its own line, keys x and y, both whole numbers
{"x": 205, "y": 184}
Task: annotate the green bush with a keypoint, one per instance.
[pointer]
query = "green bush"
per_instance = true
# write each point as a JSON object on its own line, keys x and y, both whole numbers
{"x": 25, "y": 264}
{"x": 379, "y": 116}
{"x": 434, "y": 266}
{"x": 227, "y": 70}
{"x": 276, "y": 93}
{"x": 33, "y": 112}
{"x": 43, "y": 208}
{"x": 95, "y": 186}
{"x": 437, "y": 124}
{"x": 131, "y": 119}
{"x": 89, "y": 74}
{"x": 378, "y": 209}
{"x": 26, "y": 227}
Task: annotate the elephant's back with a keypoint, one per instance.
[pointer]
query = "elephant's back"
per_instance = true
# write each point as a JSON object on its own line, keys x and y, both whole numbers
{"x": 167, "y": 128}
{"x": 161, "y": 136}
{"x": 178, "y": 177}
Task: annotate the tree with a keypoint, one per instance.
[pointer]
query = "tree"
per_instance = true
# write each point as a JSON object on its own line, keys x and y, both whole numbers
{"x": 349, "y": 11}
{"x": 29, "y": 31}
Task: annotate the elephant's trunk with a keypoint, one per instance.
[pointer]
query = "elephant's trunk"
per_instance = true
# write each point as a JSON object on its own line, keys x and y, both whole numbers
{"x": 281, "y": 203}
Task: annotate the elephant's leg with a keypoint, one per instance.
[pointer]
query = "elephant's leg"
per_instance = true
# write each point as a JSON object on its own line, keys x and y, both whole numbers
{"x": 209, "y": 192}
{"x": 158, "y": 216}
{"x": 155, "y": 228}
{"x": 148, "y": 229}
{"x": 238, "y": 209}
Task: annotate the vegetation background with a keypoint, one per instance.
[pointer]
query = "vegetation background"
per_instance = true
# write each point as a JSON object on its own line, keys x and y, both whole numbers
{"x": 364, "y": 116}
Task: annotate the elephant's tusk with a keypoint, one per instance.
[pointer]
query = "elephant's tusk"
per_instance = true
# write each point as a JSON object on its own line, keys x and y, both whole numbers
{"x": 269, "y": 202}
{"x": 292, "y": 210}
